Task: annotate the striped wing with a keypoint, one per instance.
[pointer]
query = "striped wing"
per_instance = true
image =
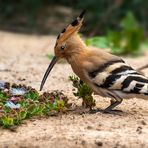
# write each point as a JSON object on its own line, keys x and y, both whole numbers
{"x": 117, "y": 75}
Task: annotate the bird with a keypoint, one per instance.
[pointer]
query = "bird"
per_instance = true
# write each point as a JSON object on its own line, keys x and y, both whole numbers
{"x": 108, "y": 75}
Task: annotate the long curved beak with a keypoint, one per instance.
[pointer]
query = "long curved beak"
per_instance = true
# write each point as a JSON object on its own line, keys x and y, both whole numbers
{"x": 52, "y": 63}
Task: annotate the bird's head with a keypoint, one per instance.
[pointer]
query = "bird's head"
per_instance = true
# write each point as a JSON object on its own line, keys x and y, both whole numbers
{"x": 68, "y": 42}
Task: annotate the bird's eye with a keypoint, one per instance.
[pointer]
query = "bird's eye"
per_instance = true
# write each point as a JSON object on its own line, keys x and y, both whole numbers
{"x": 62, "y": 47}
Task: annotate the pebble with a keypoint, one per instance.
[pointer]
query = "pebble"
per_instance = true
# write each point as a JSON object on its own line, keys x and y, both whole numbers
{"x": 98, "y": 143}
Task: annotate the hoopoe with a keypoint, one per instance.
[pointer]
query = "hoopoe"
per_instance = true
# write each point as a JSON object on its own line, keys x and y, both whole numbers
{"x": 107, "y": 74}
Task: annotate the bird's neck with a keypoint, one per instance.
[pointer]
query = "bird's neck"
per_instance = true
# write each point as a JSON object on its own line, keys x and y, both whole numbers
{"x": 76, "y": 59}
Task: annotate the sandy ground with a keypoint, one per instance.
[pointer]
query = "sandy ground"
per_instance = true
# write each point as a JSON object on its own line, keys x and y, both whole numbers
{"x": 23, "y": 60}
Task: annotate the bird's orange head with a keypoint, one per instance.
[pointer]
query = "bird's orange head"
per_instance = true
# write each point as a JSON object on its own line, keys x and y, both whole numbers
{"x": 68, "y": 42}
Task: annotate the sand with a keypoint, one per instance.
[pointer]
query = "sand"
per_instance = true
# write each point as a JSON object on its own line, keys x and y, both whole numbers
{"x": 23, "y": 59}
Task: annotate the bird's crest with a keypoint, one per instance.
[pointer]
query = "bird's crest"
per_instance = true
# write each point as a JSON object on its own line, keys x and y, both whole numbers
{"x": 71, "y": 28}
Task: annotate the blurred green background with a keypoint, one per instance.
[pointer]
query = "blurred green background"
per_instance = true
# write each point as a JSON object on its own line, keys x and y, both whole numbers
{"x": 115, "y": 24}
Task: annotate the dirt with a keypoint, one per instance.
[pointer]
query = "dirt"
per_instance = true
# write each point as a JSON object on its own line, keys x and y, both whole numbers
{"x": 23, "y": 59}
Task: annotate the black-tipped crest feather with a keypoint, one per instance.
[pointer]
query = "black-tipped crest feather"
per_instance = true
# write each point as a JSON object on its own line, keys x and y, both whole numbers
{"x": 63, "y": 30}
{"x": 82, "y": 14}
{"x": 75, "y": 23}
{"x": 78, "y": 19}
{"x": 71, "y": 28}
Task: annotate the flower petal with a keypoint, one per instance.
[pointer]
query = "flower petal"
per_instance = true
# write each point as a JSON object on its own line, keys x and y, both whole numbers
{"x": 12, "y": 105}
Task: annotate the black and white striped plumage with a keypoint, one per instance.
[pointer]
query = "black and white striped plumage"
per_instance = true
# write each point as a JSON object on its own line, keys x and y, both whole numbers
{"x": 117, "y": 75}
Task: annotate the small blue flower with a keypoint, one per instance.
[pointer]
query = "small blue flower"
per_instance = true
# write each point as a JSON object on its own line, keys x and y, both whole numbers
{"x": 12, "y": 105}
{"x": 18, "y": 91}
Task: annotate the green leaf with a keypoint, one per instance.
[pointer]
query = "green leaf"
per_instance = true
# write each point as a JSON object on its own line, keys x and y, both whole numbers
{"x": 22, "y": 115}
{"x": 32, "y": 95}
{"x": 100, "y": 42}
{"x": 3, "y": 96}
{"x": 7, "y": 122}
{"x": 114, "y": 38}
{"x": 129, "y": 22}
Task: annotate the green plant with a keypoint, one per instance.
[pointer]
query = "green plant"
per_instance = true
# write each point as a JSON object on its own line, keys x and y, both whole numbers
{"x": 22, "y": 102}
{"x": 83, "y": 91}
{"x": 129, "y": 39}
{"x": 124, "y": 42}
{"x": 3, "y": 96}
{"x": 32, "y": 94}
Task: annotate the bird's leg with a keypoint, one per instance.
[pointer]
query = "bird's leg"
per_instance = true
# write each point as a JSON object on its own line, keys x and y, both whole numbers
{"x": 113, "y": 104}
